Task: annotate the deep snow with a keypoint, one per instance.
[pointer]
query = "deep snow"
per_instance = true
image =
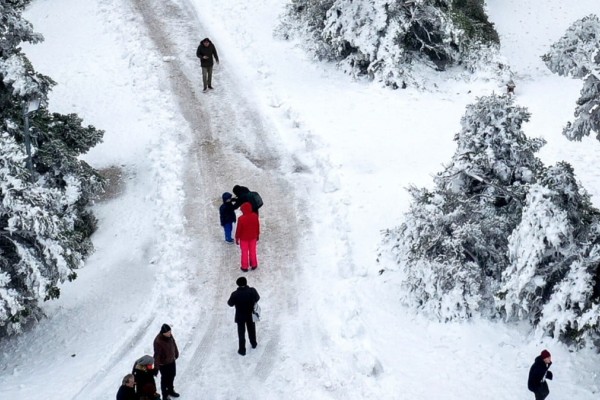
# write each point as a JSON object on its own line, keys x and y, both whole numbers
{"x": 347, "y": 148}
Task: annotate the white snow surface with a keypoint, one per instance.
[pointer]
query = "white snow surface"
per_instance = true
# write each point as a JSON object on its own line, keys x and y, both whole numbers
{"x": 333, "y": 326}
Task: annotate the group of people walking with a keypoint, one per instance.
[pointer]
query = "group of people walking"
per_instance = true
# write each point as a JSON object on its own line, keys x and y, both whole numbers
{"x": 247, "y": 234}
{"x": 140, "y": 383}
{"x": 247, "y": 230}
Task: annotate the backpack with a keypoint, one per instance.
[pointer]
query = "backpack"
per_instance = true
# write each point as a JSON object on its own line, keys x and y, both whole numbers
{"x": 255, "y": 200}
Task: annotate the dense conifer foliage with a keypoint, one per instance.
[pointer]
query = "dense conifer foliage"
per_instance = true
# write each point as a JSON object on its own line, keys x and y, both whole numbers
{"x": 391, "y": 40}
{"x": 45, "y": 225}
{"x": 500, "y": 234}
{"x": 577, "y": 54}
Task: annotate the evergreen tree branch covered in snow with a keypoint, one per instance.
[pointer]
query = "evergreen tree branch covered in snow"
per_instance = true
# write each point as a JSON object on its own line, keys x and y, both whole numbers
{"x": 45, "y": 226}
{"x": 577, "y": 54}
{"x": 500, "y": 234}
{"x": 389, "y": 39}
{"x": 460, "y": 228}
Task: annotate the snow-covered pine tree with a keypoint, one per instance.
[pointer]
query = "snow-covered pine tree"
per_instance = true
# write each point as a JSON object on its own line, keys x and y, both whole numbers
{"x": 577, "y": 54}
{"x": 387, "y": 39}
{"x": 573, "y": 312}
{"x": 453, "y": 246}
{"x": 587, "y": 112}
{"x": 563, "y": 295}
{"x": 541, "y": 250}
{"x": 44, "y": 222}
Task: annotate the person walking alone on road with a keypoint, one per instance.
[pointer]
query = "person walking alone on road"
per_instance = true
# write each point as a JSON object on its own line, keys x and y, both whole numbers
{"x": 538, "y": 374}
{"x": 244, "y": 299}
{"x": 247, "y": 234}
{"x": 165, "y": 354}
{"x": 207, "y": 53}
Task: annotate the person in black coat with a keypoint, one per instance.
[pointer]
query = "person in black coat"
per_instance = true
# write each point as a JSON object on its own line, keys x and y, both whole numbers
{"x": 538, "y": 374}
{"x": 206, "y": 52}
{"x": 144, "y": 373}
{"x": 243, "y": 299}
{"x": 243, "y": 195}
{"x": 127, "y": 389}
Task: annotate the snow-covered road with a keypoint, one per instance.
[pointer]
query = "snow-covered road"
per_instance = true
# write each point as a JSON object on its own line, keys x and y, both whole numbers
{"x": 331, "y": 157}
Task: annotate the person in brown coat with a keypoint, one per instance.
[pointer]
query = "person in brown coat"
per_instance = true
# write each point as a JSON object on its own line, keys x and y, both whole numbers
{"x": 165, "y": 354}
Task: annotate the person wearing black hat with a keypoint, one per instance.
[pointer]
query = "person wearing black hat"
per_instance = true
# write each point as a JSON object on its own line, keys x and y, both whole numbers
{"x": 243, "y": 299}
{"x": 165, "y": 354}
{"x": 538, "y": 374}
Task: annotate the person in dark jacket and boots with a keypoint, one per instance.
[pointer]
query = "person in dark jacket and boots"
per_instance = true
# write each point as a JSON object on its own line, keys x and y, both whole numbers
{"x": 538, "y": 374}
{"x": 227, "y": 215}
{"x": 127, "y": 389}
{"x": 144, "y": 373}
{"x": 165, "y": 354}
{"x": 243, "y": 299}
{"x": 243, "y": 195}
{"x": 206, "y": 52}
{"x": 246, "y": 236}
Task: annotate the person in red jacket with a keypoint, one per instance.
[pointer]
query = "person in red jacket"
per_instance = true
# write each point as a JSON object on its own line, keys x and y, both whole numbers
{"x": 246, "y": 236}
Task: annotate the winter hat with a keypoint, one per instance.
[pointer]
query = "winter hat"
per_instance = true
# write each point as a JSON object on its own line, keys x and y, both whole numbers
{"x": 226, "y": 196}
{"x": 236, "y": 190}
{"x": 241, "y": 281}
{"x": 545, "y": 354}
{"x": 165, "y": 328}
{"x": 143, "y": 361}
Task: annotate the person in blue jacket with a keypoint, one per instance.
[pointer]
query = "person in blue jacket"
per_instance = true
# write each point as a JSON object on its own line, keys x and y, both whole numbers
{"x": 227, "y": 215}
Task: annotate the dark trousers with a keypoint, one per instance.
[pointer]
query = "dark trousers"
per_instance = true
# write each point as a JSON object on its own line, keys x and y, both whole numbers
{"x": 167, "y": 376}
{"x": 207, "y": 76}
{"x": 542, "y": 392}
{"x": 242, "y": 334}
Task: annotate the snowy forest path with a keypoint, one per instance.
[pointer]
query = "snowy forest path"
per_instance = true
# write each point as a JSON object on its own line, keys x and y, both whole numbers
{"x": 218, "y": 158}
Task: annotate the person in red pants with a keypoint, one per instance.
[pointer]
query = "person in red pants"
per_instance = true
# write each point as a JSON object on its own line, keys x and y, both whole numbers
{"x": 246, "y": 236}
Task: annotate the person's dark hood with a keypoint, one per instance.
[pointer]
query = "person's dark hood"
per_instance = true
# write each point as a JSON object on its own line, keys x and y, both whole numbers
{"x": 240, "y": 190}
{"x": 205, "y": 39}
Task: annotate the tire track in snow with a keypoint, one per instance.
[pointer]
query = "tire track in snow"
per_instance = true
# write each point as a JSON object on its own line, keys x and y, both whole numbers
{"x": 123, "y": 350}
